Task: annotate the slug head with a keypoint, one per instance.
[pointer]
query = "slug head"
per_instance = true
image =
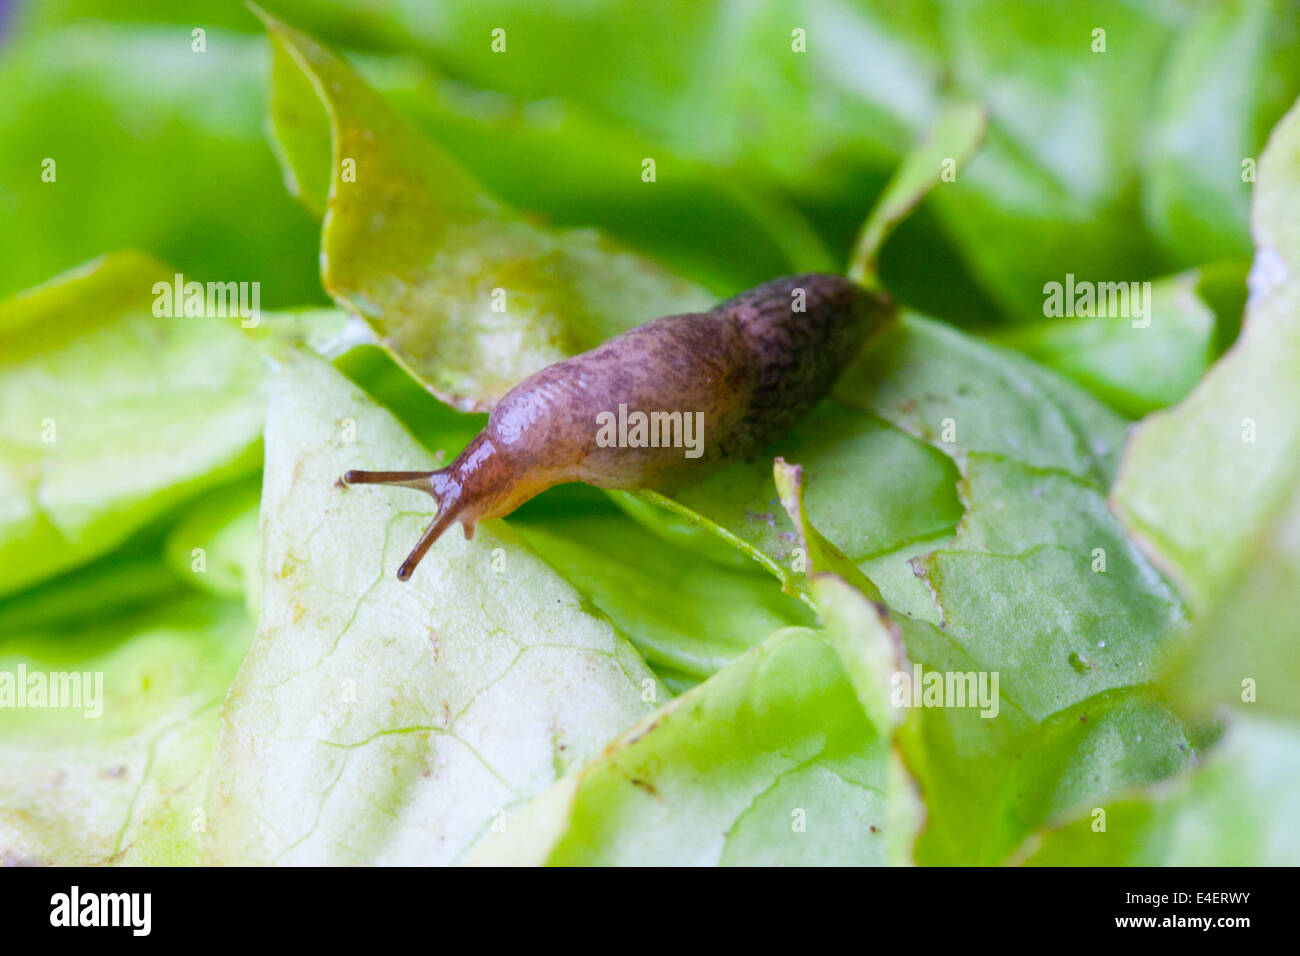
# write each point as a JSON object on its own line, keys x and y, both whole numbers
{"x": 481, "y": 483}
{"x": 443, "y": 488}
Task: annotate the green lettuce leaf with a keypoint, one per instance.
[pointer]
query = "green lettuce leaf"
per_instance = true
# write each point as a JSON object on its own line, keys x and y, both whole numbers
{"x": 1134, "y": 364}
{"x": 1231, "y": 74}
{"x": 1072, "y": 162}
{"x": 577, "y": 170}
{"x": 110, "y": 415}
{"x": 1057, "y": 179}
{"x": 1237, "y": 809}
{"x": 380, "y": 722}
{"x": 770, "y": 761}
{"x": 469, "y": 295}
{"x": 782, "y": 757}
{"x": 953, "y": 138}
{"x": 909, "y": 495}
{"x": 1200, "y": 479}
{"x": 1019, "y": 590}
{"x": 120, "y": 776}
{"x": 1243, "y": 652}
{"x": 637, "y": 63}
{"x": 215, "y": 545}
{"x": 132, "y": 577}
{"x": 1221, "y": 509}
{"x": 687, "y": 614}
{"x": 1040, "y": 585}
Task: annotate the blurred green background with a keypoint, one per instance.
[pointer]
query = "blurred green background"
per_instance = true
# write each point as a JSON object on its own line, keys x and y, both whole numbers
{"x": 1125, "y": 162}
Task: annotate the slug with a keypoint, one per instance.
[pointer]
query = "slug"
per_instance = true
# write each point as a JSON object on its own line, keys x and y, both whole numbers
{"x": 656, "y": 407}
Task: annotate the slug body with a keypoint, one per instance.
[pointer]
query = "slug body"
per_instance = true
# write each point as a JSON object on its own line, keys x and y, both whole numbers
{"x": 723, "y": 382}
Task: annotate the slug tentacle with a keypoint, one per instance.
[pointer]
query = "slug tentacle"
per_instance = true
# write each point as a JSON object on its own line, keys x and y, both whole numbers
{"x": 440, "y": 486}
{"x": 712, "y": 387}
{"x": 446, "y": 516}
{"x": 478, "y": 484}
{"x": 406, "y": 479}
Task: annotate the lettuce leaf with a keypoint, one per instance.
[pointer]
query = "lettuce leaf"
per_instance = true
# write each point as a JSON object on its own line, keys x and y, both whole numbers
{"x": 467, "y": 294}
{"x": 119, "y": 776}
{"x": 375, "y": 721}
{"x": 110, "y": 415}
{"x": 1220, "y": 507}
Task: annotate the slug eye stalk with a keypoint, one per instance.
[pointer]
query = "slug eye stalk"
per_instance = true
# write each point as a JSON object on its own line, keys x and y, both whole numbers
{"x": 419, "y": 480}
{"x": 448, "y": 507}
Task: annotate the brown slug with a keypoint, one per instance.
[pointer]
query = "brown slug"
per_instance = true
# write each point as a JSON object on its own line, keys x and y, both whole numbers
{"x": 629, "y": 413}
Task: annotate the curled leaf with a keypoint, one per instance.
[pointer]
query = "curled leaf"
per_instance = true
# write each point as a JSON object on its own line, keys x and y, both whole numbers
{"x": 468, "y": 294}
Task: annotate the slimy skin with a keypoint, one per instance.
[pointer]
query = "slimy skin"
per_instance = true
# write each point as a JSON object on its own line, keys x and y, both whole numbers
{"x": 752, "y": 365}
